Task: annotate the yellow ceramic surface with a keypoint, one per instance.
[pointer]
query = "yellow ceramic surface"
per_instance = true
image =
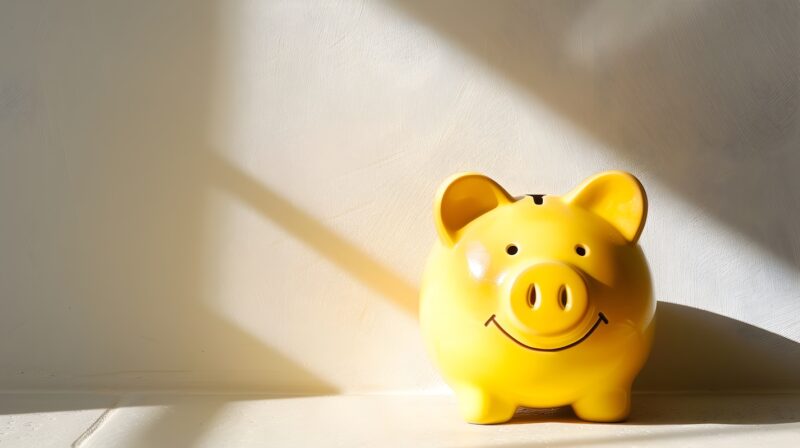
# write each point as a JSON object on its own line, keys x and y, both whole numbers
{"x": 539, "y": 300}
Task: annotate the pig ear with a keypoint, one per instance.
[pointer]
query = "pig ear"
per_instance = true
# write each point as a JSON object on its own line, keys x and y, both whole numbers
{"x": 617, "y": 197}
{"x": 462, "y": 198}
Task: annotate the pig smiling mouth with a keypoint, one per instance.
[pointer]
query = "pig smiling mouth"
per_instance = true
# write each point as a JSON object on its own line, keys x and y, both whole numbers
{"x": 600, "y": 318}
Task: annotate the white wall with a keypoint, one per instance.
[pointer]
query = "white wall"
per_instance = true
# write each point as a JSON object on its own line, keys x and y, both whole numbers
{"x": 236, "y": 195}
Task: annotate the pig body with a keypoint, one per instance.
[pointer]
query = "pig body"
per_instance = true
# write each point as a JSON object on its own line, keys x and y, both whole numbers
{"x": 539, "y": 300}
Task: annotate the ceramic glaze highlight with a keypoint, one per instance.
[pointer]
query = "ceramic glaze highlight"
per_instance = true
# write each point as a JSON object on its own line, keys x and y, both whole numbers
{"x": 539, "y": 300}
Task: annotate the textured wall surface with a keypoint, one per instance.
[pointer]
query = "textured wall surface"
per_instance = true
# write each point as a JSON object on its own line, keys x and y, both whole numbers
{"x": 237, "y": 195}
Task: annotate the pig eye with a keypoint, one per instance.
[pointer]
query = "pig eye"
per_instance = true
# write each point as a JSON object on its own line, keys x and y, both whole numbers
{"x": 512, "y": 249}
{"x": 580, "y": 249}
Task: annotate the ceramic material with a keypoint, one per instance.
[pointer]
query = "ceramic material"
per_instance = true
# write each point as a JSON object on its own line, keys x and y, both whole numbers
{"x": 539, "y": 300}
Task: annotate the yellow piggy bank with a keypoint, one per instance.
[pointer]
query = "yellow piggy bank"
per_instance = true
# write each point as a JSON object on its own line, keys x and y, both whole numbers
{"x": 539, "y": 300}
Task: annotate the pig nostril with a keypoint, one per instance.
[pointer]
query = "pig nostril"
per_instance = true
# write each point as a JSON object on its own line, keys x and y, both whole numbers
{"x": 532, "y": 296}
{"x": 563, "y": 297}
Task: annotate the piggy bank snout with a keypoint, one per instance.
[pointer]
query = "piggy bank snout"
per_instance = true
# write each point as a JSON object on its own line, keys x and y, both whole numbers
{"x": 548, "y": 299}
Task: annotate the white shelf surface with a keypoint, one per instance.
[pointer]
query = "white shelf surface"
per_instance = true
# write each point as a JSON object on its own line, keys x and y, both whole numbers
{"x": 164, "y": 420}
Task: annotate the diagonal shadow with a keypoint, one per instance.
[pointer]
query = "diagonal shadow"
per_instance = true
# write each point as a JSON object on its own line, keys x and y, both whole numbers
{"x": 126, "y": 230}
{"x": 702, "y": 95}
{"x": 346, "y": 255}
{"x": 102, "y": 103}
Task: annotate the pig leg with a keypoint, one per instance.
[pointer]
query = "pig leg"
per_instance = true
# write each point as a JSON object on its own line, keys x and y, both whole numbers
{"x": 604, "y": 405}
{"x": 479, "y": 407}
